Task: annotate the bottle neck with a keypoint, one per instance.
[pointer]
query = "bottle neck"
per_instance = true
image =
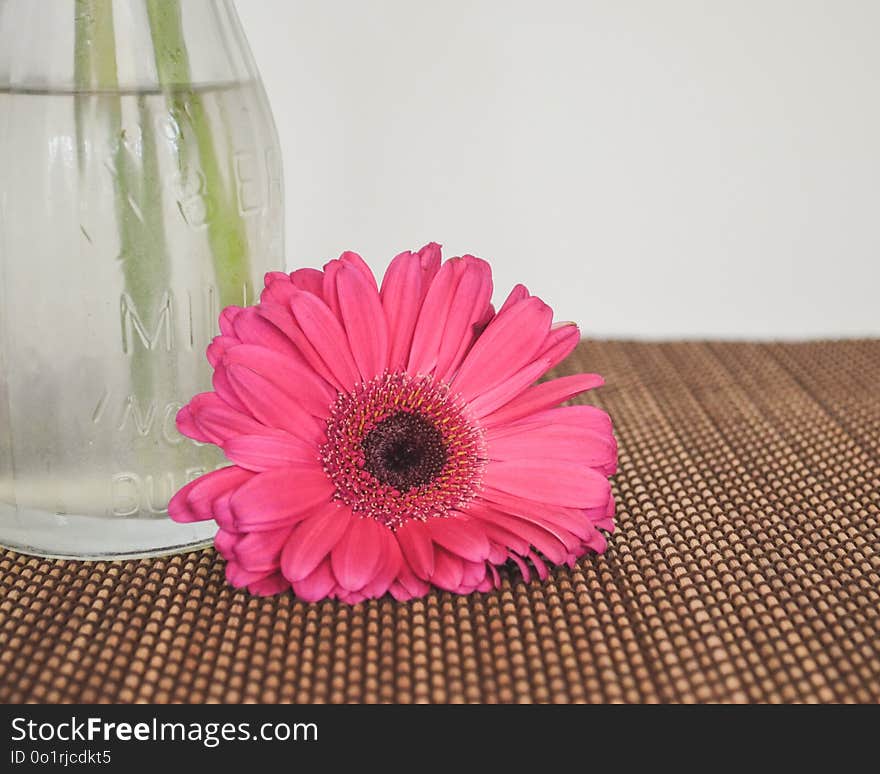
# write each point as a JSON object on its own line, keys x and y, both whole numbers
{"x": 121, "y": 45}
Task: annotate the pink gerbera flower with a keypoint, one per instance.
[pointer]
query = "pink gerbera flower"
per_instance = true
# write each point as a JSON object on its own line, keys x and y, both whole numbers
{"x": 386, "y": 440}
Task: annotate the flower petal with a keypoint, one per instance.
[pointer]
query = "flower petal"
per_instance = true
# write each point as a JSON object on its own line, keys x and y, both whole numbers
{"x": 415, "y": 542}
{"x": 359, "y": 554}
{"x": 313, "y": 540}
{"x": 325, "y": 336}
{"x": 429, "y": 259}
{"x": 519, "y": 293}
{"x": 281, "y": 318}
{"x": 559, "y": 442}
{"x": 179, "y": 509}
{"x": 509, "y": 539}
{"x": 389, "y": 569}
{"x": 509, "y": 343}
{"x": 271, "y": 406}
{"x": 186, "y": 425}
{"x": 306, "y": 354}
{"x": 279, "y": 497}
{"x": 217, "y": 348}
{"x": 227, "y": 320}
{"x": 597, "y": 542}
{"x": 460, "y": 536}
{"x": 317, "y": 585}
{"x": 505, "y": 391}
{"x": 468, "y": 306}
{"x": 293, "y": 376}
{"x": 523, "y": 567}
{"x": 432, "y": 318}
{"x": 216, "y": 420}
{"x": 224, "y": 542}
{"x": 407, "y": 585}
{"x": 263, "y": 452}
{"x": 277, "y": 288}
{"x": 552, "y": 481}
{"x": 498, "y": 549}
{"x": 587, "y": 419}
{"x": 329, "y": 293}
{"x": 223, "y": 389}
{"x": 364, "y": 320}
{"x": 354, "y": 261}
{"x": 448, "y": 570}
{"x": 539, "y": 565}
{"x": 495, "y": 581}
{"x": 560, "y": 342}
{"x": 238, "y": 577}
{"x": 310, "y": 280}
{"x": 484, "y": 321}
{"x": 330, "y": 290}
{"x": 473, "y": 574}
{"x": 542, "y": 396}
{"x": 223, "y": 513}
{"x": 261, "y": 551}
{"x": 206, "y": 489}
{"x": 404, "y": 287}
{"x": 269, "y": 586}
{"x": 522, "y": 534}
{"x": 253, "y": 328}
{"x": 577, "y": 521}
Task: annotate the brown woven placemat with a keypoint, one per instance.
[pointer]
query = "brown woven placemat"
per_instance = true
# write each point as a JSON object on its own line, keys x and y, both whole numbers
{"x": 746, "y": 567}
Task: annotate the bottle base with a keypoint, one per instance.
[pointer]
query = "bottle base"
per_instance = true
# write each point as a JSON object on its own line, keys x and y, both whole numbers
{"x": 106, "y": 557}
{"x": 49, "y": 535}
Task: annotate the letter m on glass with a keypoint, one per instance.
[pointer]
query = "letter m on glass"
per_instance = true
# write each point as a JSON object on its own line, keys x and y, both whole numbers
{"x": 136, "y": 326}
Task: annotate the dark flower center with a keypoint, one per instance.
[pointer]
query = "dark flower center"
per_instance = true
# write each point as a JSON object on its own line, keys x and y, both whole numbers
{"x": 401, "y": 448}
{"x": 404, "y": 450}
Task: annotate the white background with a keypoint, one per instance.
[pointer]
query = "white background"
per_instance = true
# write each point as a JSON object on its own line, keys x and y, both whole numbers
{"x": 652, "y": 169}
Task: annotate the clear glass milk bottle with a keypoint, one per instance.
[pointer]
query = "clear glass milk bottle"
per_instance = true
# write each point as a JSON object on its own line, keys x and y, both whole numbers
{"x": 140, "y": 192}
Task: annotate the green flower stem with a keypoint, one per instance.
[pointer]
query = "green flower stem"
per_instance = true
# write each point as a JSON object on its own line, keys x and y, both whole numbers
{"x": 134, "y": 165}
{"x": 226, "y": 229}
{"x": 142, "y": 248}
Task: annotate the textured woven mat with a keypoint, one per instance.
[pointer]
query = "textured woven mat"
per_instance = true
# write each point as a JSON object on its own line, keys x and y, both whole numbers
{"x": 746, "y": 567}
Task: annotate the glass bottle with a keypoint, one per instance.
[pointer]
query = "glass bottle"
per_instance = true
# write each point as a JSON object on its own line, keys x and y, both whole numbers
{"x": 140, "y": 192}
